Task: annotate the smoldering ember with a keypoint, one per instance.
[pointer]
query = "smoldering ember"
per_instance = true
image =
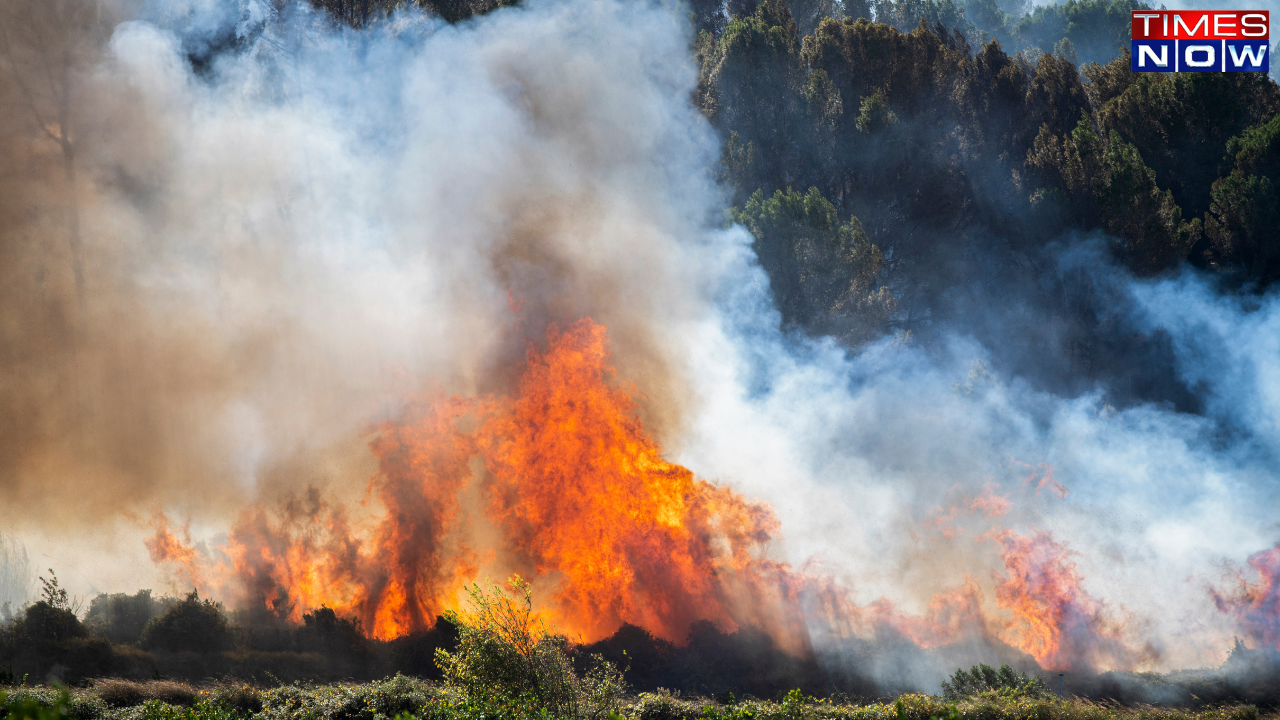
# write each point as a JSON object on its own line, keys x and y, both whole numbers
{"x": 646, "y": 359}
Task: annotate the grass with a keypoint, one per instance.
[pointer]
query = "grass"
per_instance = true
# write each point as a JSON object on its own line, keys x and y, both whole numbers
{"x": 403, "y": 697}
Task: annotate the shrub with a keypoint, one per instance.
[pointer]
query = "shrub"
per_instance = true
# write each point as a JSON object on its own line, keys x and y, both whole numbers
{"x": 31, "y": 709}
{"x": 46, "y": 624}
{"x": 121, "y": 618}
{"x": 382, "y": 699}
{"x": 1005, "y": 682}
{"x": 192, "y": 625}
{"x": 325, "y": 631}
{"x": 203, "y": 710}
{"x": 126, "y": 693}
{"x": 504, "y": 655}
{"x": 120, "y": 693}
{"x": 238, "y": 697}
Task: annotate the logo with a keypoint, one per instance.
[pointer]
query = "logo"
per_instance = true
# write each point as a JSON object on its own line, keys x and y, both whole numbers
{"x": 1200, "y": 41}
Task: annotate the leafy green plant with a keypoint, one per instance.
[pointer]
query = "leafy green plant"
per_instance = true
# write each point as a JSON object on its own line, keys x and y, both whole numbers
{"x": 504, "y": 655}
{"x": 193, "y": 624}
{"x": 30, "y": 708}
{"x": 982, "y": 679}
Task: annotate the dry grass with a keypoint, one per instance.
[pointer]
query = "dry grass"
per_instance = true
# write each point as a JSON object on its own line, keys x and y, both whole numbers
{"x": 128, "y": 693}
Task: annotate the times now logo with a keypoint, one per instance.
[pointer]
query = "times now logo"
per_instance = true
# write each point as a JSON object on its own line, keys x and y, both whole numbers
{"x": 1200, "y": 41}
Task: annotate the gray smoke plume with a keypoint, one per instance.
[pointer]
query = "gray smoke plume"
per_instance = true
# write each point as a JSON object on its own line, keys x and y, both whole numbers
{"x": 271, "y": 253}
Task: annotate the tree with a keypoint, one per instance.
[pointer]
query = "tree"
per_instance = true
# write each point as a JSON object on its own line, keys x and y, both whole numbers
{"x": 1106, "y": 184}
{"x": 193, "y": 625}
{"x": 121, "y": 618}
{"x": 1097, "y": 28}
{"x": 54, "y": 595}
{"x": 1181, "y": 124}
{"x": 1243, "y": 222}
{"x": 50, "y": 622}
{"x": 750, "y": 84}
{"x": 822, "y": 273}
{"x": 325, "y": 631}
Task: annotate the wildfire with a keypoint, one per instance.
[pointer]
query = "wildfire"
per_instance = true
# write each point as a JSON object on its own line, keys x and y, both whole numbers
{"x": 576, "y": 485}
{"x": 1056, "y": 620}
{"x": 581, "y": 499}
{"x": 1256, "y": 605}
{"x": 165, "y": 547}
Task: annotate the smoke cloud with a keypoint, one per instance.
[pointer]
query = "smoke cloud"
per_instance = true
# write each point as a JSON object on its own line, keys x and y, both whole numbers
{"x": 901, "y": 467}
{"x": 277, "y": 249}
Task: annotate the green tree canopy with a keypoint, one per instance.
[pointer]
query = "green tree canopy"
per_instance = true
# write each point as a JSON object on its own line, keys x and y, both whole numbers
{"x": 192, "y": 625}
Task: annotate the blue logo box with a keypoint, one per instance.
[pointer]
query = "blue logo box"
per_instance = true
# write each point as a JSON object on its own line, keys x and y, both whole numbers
{"x": 1200, "y": 56}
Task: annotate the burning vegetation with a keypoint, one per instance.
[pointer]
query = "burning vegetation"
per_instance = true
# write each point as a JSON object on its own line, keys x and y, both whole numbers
{"x": 574, "y": 485}
{"x": 581, "y": 499}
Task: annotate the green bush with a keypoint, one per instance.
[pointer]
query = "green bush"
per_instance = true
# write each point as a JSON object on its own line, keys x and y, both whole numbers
{"x": 192, "y": 625}
{"x": 382, "y": 699}
{"x": 27, "y": 707}
{"x": 504, "y": 656}
{"x": 1005, "y": 682}
{"x": 121, "y": 618}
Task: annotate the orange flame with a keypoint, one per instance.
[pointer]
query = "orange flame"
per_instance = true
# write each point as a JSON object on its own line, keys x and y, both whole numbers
{"x": 582, "y": 491}
{"x": 1056, "y": 620}
{"x": 167, "y": 548}
{"x": 581, "y": 495}
{"x": 989, "y": 503}
{"x": 949, "y": 617}
{"x": 1256, "y": 605}
{"x": 581, "y": 500}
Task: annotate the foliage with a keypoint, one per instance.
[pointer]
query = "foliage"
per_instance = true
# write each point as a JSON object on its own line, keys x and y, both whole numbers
{"x": 1107, "y": 182}
{"x": 53, "y": 595}
{"x": 1097, "y": 29}
{"x": 504, "y": 655}
{"x": 46, "y": 625}
{"x": 121, "y": 618}
{"x": 906, "y": 15}
{"x": 1005, "y": 682}
{"x": 29, "y": 708}
{"x": 964, "y": 164}
{"x": 751, "y": 82}
{"x": 192, "y": 625}
{"x": 1243, "y": 222}
{"x": 1181, "y": 124}
{"x": 382, "y": 699}
{"x": 818, "y": 267}
{"x": 988, "y": 706}
{"x": 407, "y": 698}
{"x": 326, "y": 631}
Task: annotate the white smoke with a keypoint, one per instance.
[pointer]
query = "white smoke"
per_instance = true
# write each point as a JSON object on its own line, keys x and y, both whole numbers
{"x": 288, "y": 238}
{"x": 17, "y": 578}
{"x": 863, "y": 454}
